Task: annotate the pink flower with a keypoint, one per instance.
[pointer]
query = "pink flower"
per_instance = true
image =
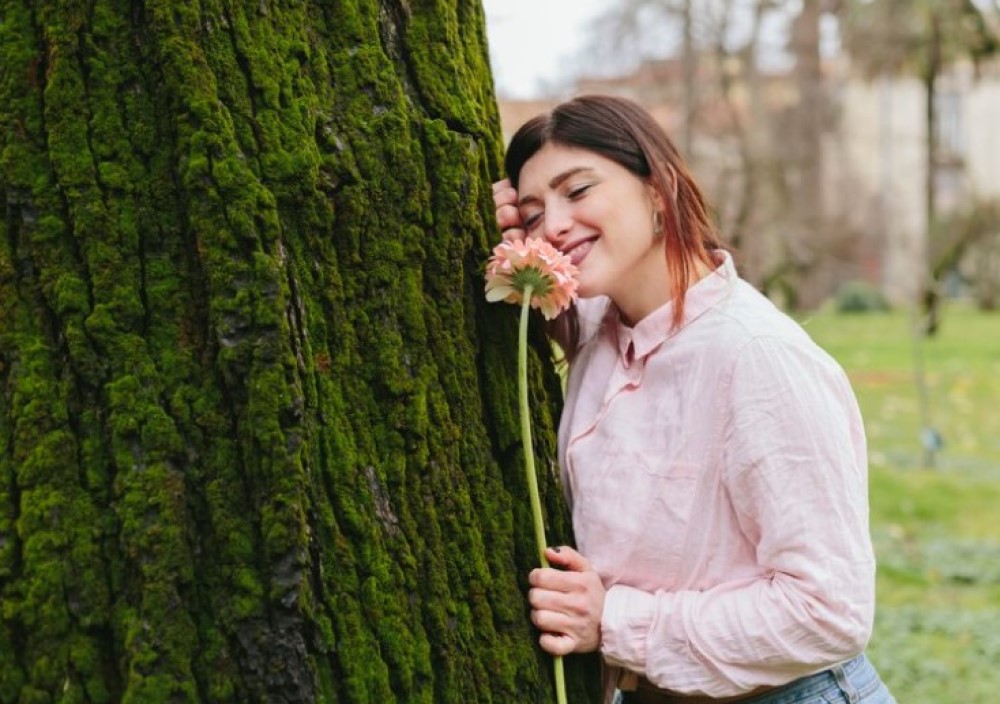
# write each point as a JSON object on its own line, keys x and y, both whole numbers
{"x": 517, "y": 265}
{"x": 532, "y": 272}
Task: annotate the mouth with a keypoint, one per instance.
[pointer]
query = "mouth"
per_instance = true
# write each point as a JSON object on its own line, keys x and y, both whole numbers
{"x": 578, "y": 251}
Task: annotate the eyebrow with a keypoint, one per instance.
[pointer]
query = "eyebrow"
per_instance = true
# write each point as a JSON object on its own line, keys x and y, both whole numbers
{"x": 556, "y": 181}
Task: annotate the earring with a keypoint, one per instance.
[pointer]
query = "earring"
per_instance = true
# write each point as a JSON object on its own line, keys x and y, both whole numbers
{"x": 657, "y": 224}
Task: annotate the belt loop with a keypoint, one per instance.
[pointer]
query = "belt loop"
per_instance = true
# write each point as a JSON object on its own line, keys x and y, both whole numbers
{"x": 845, "y": 686}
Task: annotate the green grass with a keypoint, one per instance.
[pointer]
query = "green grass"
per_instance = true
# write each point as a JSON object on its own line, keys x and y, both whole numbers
{"x": 936, "y": 530}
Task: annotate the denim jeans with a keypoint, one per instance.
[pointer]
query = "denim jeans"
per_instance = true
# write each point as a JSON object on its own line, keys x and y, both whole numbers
{"x": 852, "y": 682}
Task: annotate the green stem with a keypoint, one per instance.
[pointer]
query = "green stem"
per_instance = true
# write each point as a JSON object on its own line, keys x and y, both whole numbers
{"x": 529, "y": 464}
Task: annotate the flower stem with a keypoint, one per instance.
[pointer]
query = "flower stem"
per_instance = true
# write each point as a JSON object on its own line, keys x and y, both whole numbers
{"x": 529, "y": 464}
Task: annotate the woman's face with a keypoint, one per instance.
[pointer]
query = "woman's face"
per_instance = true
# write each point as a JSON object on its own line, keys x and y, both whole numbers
{"x": 601, "y": 215}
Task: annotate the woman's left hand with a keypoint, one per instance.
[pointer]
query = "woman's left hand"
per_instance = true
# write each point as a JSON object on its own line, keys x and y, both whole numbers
{"x": 567, "y": 603}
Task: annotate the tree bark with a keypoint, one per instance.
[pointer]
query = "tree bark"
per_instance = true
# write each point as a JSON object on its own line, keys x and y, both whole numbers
{"x": 808, "y": 125}
{"x": 258, "y": 433}
{"x": 929, "y": 294}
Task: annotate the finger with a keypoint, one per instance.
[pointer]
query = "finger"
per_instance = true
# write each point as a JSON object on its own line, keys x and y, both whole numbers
{"x": 538, "y": 598}
{"x": 548, "y": 577}
{"x": 507, "y": 196}
{"x": 549, "y": 600}
{"x": 501, "y": 185}
{"x": 556, "y": 580}
{"x": 557, "y": 643}
{"x": 553, "y": 622}
{"x": 567, "y": 558}
{"x": 508, "y": 216}
{"x": 514, "y": 234}
{"x": 567, "y": 634}
{"x": 569, "y": 605}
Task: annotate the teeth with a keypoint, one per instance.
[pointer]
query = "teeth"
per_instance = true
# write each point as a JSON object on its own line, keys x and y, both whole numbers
{"x": 577, "y": 254}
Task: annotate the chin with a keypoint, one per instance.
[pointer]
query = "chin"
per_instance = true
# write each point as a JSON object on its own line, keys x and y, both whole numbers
{"x": 589, "y": 289}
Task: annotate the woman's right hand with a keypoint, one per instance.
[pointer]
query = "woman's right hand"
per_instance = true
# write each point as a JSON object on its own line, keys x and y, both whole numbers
{"x": 508, "y": 216}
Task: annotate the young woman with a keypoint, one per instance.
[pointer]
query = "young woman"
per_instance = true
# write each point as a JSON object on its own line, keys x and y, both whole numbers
{"x": 713, "y": 456}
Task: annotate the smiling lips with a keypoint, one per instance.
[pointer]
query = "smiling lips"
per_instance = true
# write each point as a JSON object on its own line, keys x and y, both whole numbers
{"x": 578, "y": 251}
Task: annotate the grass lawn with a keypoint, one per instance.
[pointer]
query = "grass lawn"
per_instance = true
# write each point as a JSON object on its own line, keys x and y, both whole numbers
{"x": 936, "y": 530}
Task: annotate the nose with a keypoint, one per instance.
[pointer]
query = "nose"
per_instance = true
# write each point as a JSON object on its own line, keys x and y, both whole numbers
{"x": 558, "y": 222}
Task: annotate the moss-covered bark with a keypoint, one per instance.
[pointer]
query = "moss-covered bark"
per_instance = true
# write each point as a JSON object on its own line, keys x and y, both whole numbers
{"x": 257, "y": 424}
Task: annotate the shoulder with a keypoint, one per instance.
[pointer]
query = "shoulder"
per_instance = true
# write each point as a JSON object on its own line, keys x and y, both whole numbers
{"x": 749, "y": 330}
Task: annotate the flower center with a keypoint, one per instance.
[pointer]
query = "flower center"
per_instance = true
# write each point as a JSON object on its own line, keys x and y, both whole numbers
{"x": 539, "y": 281}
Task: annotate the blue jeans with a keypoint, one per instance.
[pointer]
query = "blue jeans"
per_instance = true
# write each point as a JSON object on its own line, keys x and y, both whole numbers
{"x": 852, "y": 682}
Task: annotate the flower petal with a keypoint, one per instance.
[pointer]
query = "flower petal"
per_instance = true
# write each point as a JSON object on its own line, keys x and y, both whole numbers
{"x": 535, "y": 262}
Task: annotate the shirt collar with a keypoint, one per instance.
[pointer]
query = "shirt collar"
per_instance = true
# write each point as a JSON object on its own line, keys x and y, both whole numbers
{"x": 639, "y": 341}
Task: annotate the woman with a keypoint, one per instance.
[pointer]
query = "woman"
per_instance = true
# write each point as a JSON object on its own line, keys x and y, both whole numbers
{"x": 713, "y": 455}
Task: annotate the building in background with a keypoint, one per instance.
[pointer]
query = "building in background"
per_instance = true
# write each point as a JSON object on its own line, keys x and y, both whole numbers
{"x": 883, "y": 137}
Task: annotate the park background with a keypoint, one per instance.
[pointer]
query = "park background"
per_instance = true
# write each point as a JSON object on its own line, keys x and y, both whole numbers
{"x": 850, "y": 151}
{"x": 258, "y": 437}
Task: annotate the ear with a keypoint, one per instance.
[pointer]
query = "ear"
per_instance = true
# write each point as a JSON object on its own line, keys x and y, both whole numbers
{"x": 673, "y": 182}
{"x": 656, "y": 199}
{"x": 670, "y": 187}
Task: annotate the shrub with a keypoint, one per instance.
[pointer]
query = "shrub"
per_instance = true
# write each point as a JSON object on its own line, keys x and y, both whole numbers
{"x": 860, "y": 297}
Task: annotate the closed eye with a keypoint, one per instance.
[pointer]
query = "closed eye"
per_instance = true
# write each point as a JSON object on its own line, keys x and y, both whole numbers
{"x": 529, "y": 221}
{"x": 578, "y": 191}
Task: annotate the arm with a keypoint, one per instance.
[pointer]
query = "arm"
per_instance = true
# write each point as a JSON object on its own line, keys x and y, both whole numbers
{"x": 795, "y": 472}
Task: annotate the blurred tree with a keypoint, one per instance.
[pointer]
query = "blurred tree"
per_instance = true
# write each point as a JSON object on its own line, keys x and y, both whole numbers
{"x": 968, "y": 245}
{"x": 799, "y": 146}
{"x": 923, "y": 38}
{"x": 633, "y": 31}
{"x": 257, "y": 442}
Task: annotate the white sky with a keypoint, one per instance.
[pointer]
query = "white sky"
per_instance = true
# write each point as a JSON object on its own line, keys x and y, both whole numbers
{"x": 537, "y": 46}
{"x": 534, "y": 43}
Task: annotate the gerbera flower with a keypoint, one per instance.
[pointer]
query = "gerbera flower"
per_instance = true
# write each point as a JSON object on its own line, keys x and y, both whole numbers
{"x": 534, "y": 265}
{"x": 532, "y": 272}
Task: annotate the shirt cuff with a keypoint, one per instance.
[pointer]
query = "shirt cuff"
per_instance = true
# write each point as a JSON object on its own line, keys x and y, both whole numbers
{"x": 628, "y": 616}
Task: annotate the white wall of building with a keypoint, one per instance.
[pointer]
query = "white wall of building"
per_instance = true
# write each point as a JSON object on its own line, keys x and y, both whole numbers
{"x": 884, "y": 137}
{"x": 982, "y": 126}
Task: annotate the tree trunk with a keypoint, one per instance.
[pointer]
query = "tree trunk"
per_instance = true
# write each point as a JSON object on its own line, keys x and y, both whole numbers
{"x": 258, "y": 434}
{"x": 810, "y": 242}
{"x": 689, "y": 64}
{"x": 929, "y": 297}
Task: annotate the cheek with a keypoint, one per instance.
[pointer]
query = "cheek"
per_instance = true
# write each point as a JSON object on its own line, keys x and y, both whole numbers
{"x": 594, "y": 214}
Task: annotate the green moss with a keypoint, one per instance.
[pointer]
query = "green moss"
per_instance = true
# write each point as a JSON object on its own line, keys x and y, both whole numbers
{"x": 249, "y": 352}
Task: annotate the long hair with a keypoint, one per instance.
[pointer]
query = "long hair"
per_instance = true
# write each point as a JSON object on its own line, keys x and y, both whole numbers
{"x": 625, "y": 133}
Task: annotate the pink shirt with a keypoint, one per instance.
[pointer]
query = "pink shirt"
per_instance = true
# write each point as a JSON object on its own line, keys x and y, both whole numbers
{"x": 718, "y": 481}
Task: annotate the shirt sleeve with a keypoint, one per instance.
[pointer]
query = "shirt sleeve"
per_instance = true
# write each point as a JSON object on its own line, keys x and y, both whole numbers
{"x": 795, "y": 470}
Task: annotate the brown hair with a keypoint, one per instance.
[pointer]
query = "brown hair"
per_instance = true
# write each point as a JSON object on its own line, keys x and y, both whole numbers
{"x": 622, "y": 131}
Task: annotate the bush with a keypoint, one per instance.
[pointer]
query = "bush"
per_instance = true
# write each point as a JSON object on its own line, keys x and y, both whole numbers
{"x": 860, "y": 297}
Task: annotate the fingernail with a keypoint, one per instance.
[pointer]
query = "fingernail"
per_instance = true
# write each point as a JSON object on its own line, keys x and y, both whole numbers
{"x": 556, "y": 548}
